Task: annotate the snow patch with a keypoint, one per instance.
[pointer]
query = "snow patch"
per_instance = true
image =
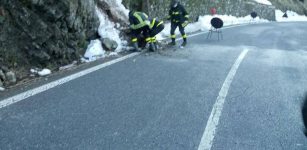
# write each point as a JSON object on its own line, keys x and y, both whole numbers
{"x": 292, "y": 16}
{"x": 107, "y": 29}
{"x": 94, "y": 51}
{"x": 265, "y": 2}
{"x": 204, "y": 24}
{"x": 2, "y": 89}
{"x": 113, "y": 54}
{"x": 44, "y": 72}
{"x": 34, "y": 71}
{"x": 119, "y": 7}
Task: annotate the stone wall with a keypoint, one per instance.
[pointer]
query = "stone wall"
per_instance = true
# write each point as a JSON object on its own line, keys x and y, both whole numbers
{"x": 44, "y": 33}
{"x": 159, "y": 8}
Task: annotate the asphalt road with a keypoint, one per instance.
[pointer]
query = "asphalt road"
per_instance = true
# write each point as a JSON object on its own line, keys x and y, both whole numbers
{"x": 164, "y": 100}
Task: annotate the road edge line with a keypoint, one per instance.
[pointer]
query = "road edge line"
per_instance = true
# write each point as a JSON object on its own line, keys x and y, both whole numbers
{"x": 45, "y": 87}
{"x": 213, "y": 121}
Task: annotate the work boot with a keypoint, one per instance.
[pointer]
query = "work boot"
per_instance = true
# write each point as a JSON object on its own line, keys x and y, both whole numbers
{"x": 184, "y": 43}
{"x": 173, "y": 43}
{"x": 136, "y": 47}
{"x": 156, "y": 45}
{"x": 152, "y": 47}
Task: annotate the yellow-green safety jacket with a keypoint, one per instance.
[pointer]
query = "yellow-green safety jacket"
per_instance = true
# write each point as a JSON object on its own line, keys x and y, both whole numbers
{"x": 138, "y": 20}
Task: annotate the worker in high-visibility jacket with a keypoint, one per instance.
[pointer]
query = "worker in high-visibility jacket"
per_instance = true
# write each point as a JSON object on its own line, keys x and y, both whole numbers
{"x": 139, "y": 24}
{"x": 179, "y": 18}
{"x": 156, "y": 26}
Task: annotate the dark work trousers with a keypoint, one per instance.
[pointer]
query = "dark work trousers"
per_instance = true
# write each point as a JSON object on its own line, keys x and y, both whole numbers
{"x": 155, "y": 30}
{"x": 181, "y": 29}
{"x": 140, "y": 34}
{"x": 142, "y": 31}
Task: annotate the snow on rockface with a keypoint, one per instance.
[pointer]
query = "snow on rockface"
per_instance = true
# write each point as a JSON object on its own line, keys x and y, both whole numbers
{"x": 108, "y": 29}
{"x": 94, "y": 51}
{"x": 292, "y": 16}
{"x": 265, "y": 2}
{"x": 204, "y": 24}
{"x": 119, "y": 9}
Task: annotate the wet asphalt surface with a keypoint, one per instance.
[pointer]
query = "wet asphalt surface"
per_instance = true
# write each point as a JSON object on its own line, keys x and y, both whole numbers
{"x": 162, "y": 100}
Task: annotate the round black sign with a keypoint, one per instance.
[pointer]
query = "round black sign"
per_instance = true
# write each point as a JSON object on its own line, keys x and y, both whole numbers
{"x": 217, "y": 22}
{"x": 254, "y": 15}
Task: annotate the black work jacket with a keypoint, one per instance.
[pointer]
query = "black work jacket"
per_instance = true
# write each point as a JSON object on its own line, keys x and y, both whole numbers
{"x": 155, "y": 23}
{"x": 178, "y": 14}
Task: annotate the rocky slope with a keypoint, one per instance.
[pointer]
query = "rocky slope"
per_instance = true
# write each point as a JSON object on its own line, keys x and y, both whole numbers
{"x": 43, "y": 33}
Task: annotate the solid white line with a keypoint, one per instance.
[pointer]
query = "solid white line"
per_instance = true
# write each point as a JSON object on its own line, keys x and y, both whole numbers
{"x": 213, "y": 121}
{"x": 27, "y": 94}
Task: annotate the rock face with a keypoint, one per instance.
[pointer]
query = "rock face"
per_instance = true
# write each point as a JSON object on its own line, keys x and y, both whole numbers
{"x": 44, "y": 33}
{"x": 109, "y": 44}
{"x": 11, "y": 77}
{"x": 2, "y": 76}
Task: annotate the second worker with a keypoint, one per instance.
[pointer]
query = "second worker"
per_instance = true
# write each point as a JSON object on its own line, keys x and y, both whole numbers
{"x": 179, "y": 18}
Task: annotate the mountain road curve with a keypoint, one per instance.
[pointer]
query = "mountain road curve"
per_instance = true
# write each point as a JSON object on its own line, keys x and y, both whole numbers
{"x": 242, "y": 92}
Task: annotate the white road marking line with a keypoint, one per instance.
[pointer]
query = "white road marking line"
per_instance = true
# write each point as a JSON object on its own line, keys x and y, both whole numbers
{"x": 27, "y": 94}
{"x": 213, "y": 121}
